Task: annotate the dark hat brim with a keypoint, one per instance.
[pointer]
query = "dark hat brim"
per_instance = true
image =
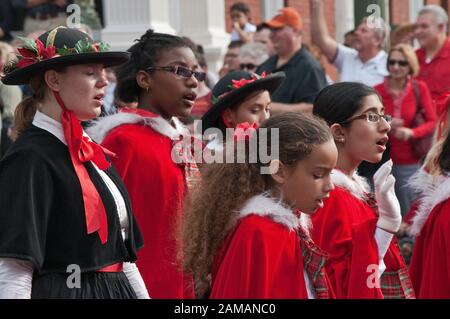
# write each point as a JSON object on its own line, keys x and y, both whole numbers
{"x": 270, "y": 83}
{"x": 23, "y": 75}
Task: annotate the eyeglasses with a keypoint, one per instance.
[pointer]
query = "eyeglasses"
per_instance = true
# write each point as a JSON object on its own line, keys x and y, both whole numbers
{"x": 371, "y": 118}
{"x": 181, "y": 71}
{"x": 248, "y": 66}
{"x": 399, "y": 62}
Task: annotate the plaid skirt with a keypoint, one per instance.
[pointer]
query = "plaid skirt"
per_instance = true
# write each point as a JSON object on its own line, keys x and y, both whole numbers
{"x": 397, "y": 285}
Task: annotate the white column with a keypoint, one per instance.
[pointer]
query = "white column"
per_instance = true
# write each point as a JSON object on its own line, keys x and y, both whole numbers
{"x": 126, "y": 21}
{"x": 414, "y": 8}
{"x": 203, "y": 21}
{"x": 270, "y": 8}
{"x": 344, "y": 13}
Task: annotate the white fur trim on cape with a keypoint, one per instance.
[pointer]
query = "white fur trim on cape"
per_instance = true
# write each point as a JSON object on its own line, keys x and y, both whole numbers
{"x": 434, "y": 190}
{"x": 357, "y": 186}
{"x": 264, "y": 205}
{"x": 102, "y": 126}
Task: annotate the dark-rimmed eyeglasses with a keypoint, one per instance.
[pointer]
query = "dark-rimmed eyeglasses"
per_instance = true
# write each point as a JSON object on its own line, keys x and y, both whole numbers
{"x": 248, "y": 66}
{"x": 180, "y": 71}
{"x": 399, "y": 62}
{"x": 370, "y": 117}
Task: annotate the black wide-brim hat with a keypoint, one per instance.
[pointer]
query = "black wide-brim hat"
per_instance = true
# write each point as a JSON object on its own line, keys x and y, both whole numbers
{"x": 235, "y": 87}
{"x": 71, "y": 47}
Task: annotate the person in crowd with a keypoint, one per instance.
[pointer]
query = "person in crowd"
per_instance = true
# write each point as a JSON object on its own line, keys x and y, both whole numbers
{"x": 64, "y": 207}
{"x": 42, "y": 14}
{"x": 403, "y": 34}
{"x": 262, "y": 35}
{"x": 246, "y": 233}
{"x": 10, "y": 97}
{"x": 231, "y": 60}
{"x": 243, "y": 30}
{"x": 304, "y": 75}
{"x": 366, "y": 63}
{"x": 356, "y": 227}
{"x": 434, "y": 52}
{"x": 430, "y": 265}
{"x": 161, "y": 77}
{"x": 251, "y": 55}
{"x": 239, "y": 97}
{"x": 6, "y": 21}
{"x": 403, "y": 98}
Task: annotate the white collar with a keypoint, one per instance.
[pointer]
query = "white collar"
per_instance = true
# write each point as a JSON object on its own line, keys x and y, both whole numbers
{"x": 356, "y": 185}
{"x": 50, "y": 125}
{"x": 102, "y": 126}
{"x": 267, "y": 206}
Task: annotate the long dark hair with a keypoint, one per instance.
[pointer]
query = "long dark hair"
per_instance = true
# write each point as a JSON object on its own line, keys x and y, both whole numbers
{"x": 339, "y": 102}
{"x": 213, "y": 209}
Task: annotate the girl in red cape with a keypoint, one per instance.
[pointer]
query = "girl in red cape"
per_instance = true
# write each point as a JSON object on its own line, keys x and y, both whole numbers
{"x": 355, "y": 227}
{"x": 430, "y": 264}
{"x": 160, "y": 76}
{"x": 244, "y": 235}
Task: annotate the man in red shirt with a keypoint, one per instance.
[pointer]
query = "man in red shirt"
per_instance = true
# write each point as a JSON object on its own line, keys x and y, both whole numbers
{"x": 434, "y": 52}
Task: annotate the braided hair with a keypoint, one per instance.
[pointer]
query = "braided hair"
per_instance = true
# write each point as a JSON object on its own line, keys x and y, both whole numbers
{"x": 144, "y": 54}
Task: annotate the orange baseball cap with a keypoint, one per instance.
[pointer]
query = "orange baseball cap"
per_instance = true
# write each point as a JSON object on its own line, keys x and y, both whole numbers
{"x": 286, "y": 16}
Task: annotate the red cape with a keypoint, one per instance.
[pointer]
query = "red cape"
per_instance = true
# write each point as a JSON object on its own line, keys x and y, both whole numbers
{"x": 156, "y": 186}
{"x": 345, "y": 229}
{"x": 430, "y": 263}
{"x": 259, "y": 259}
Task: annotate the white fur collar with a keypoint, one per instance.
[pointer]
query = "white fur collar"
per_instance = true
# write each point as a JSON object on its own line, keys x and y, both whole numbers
{"x": 434, "y": 190}
{"x": 102, "y": 126}
{"x": 264, "y": 205}
{"x": 357, "y": 186}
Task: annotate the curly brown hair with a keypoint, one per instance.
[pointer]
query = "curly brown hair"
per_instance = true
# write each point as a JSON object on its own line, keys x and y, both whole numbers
{"x": 212, "y": 210}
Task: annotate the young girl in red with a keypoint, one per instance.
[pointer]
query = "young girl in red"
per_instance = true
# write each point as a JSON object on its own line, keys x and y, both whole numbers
{"x": 245, "y": 232}
{"x": 355, "y": 227}
{"x": 160, "y": 77}
{"x": 430, "y": 263}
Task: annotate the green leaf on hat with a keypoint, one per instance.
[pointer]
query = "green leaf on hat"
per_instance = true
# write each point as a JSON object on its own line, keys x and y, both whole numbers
{"x": 104, "y": 46}
{"x": 29, "y": 44}
{"x": 65, "y": 51}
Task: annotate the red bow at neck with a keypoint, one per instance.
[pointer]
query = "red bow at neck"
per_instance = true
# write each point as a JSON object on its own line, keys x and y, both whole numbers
{"x": 82, "y": 150}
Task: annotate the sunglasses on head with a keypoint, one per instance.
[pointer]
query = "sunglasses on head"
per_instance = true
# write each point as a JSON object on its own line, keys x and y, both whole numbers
{"x": 248, "y": 66}
{"x": 399, "y": 62}
{"x": 181, "y": 71}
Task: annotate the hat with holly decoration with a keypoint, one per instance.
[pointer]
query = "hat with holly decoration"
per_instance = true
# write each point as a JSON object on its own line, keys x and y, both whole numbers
{"x": 233, "y": 89}
{"x": 56, "y": 48}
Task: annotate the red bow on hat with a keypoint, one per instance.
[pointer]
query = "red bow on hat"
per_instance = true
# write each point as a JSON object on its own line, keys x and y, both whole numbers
{"x": 82, "y": 150}
{"x": 35, "y": 54}
{"x": 244, "y": 131}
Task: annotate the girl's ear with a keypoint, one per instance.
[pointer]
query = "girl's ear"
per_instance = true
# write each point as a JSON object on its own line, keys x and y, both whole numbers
{"x": 338, "y": 133}
{"x": 278, "y": 171}
{"x": 144, "y": 80}
{"x": 51, "y": 78}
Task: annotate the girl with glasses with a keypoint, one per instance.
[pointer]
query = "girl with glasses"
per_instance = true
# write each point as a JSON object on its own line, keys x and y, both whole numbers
{"x": 403, "y": 97}
{"x": 355, "y": 226}
{"x": 162, "y": 78}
